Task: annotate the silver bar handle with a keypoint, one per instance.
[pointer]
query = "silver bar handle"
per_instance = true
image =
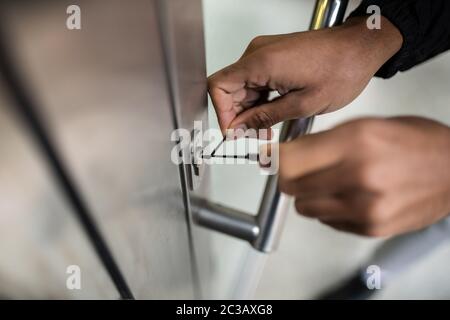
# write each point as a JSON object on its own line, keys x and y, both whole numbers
{"x": 263, "y": 231}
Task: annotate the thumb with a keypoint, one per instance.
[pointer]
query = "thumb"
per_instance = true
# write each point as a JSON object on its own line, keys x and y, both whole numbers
{"x": 229, "y": 92}
{"x": 310, "y": 153}
{"x": 295, "y": 104}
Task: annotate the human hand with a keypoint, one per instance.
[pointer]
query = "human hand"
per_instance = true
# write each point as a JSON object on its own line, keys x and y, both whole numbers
{"x": 375, "y": 177}
{"x": 314, "y": 72}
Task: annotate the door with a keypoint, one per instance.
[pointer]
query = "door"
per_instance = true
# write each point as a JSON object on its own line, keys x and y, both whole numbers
{"x": 97, "y": 189}
{"x": 41, "y": 239}
{"x": 103, "y": 95}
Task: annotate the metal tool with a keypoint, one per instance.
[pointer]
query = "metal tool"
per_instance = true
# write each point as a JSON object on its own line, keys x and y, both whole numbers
{"x": 248, "y": 156}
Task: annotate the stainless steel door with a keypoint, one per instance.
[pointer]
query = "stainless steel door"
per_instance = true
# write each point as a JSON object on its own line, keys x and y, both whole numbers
{"x": 108, "y": 97}
{"x": 40, "y": 237}
{"x": 103, "y": 93}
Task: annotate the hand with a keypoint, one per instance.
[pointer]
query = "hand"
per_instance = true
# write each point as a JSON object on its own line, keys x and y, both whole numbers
{"x": 314, "y": 72}
{"x": 375, "y": 177}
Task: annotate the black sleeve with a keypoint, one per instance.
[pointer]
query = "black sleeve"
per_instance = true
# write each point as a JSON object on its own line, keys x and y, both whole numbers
{"x": 424, "y": 24}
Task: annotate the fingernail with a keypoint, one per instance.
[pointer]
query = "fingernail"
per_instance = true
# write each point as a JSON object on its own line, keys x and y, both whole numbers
{"x": 265, "y": 134}
{"x": 239, "y": 131}
{"x": 229, "y": 134}
{"x": 265, "y": 152}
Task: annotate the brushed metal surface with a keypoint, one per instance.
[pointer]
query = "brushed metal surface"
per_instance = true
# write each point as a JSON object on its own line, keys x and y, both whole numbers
{"x": 39, "y": 235}
{"x": 103, "y": 93}
{"x": 183, "y": 24}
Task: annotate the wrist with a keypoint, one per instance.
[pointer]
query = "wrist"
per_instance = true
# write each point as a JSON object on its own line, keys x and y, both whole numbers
{"x": 374, "y": 46}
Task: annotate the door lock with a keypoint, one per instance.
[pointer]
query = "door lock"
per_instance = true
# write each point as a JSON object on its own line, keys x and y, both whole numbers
{"x": 195, "y": 165}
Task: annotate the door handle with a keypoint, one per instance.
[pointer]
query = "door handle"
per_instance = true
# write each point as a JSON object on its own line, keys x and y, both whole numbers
{"x": 263, "y": 230}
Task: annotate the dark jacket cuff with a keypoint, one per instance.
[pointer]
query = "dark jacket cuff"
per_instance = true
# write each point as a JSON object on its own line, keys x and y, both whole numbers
{"x": 398, "y": 12}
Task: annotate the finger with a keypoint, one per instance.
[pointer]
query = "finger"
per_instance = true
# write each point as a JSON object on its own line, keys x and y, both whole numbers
{"x": 335, "y": 179}
{"x": 343, "y": 216}
{"x": 323, "y": 208}
{"x": 230, "y": 93}
{"x": 295, "y": 104}
{"x": 243, "y": 131}
{"x": 394, "y": 218}
{"x": 246, "y": 97}
{"x": 345, "y": 226}
{"x": 310, "y": 153}
{"x": 361, "y": 222}
{"x": 362, "y": 230}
